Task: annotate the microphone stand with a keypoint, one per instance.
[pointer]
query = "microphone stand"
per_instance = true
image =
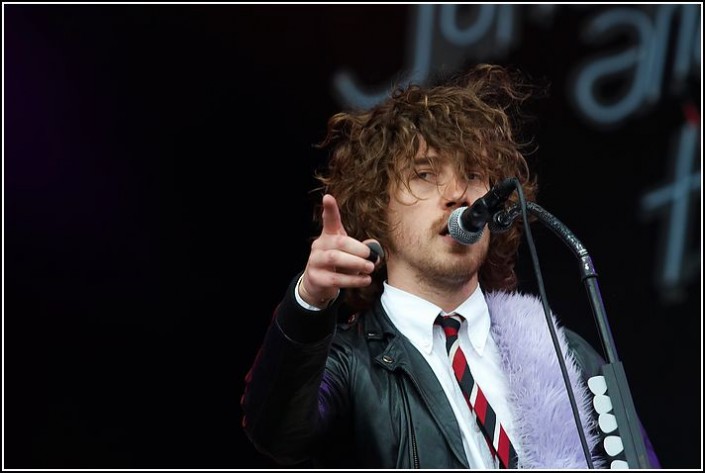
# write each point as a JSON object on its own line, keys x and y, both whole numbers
{"x": 613, "y": 371}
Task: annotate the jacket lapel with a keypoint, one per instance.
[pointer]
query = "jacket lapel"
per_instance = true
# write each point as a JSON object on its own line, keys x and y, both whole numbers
{"x": 400, "y": 354}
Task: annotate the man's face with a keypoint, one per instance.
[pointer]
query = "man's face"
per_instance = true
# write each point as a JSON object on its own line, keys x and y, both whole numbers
{"x": 421, "y": 248}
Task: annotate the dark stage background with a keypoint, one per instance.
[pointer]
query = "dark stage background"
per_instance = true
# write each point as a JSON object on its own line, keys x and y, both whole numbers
{"x": 158, "y": 162}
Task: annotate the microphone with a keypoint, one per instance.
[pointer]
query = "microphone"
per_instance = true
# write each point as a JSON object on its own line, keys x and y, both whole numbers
{"x": 376, "y": 251}
{"x": 466, "y": 224}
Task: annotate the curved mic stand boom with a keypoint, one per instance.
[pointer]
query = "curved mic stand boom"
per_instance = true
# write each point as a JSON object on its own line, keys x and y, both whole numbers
{"x": 613, "y": 371}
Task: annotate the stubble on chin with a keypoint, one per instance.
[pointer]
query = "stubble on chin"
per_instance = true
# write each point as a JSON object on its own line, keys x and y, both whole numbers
{"x": 449, "y": 272}
{"x": 439, "y": 266}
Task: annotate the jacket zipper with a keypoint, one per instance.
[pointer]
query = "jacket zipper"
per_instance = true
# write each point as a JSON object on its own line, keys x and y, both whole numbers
{"x": 410, "y": 426}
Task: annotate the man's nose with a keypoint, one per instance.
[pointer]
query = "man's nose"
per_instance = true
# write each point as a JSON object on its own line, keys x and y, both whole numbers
{"x": 455, "y": 193}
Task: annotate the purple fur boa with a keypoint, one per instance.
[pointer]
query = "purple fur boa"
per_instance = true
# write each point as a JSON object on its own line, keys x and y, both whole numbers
{"x": 546, "y": 430}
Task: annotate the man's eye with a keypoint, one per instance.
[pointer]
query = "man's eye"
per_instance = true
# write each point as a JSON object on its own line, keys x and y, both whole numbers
{"x": 428, "y": 176}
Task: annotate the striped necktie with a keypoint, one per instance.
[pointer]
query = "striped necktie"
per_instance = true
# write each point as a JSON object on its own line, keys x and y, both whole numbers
{"x": 496, "y": 437}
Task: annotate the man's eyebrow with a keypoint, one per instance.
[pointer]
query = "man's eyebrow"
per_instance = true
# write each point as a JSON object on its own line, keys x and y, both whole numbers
{"x": 423, "y": 160}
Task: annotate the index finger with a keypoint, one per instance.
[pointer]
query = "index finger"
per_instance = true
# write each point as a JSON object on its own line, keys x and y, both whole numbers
{"x": 332, "y": 224}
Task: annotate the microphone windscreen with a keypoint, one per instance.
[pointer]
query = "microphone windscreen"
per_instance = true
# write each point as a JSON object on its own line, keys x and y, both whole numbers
{"x": 458, "y": 232}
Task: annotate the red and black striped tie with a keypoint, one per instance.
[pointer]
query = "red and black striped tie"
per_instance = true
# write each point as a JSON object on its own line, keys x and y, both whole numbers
{"x": 496, "y": 437}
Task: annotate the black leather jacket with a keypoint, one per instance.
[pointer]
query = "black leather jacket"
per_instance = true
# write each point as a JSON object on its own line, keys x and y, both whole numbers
{"x": 354, "y": 394}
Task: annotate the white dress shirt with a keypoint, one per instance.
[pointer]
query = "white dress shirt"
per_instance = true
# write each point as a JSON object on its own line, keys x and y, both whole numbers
{"x": 414, "y": 318}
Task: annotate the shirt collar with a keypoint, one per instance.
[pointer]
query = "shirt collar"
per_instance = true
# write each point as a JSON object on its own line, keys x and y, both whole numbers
{"x": 414, "y": 317}
{"x": 477, "y": 319}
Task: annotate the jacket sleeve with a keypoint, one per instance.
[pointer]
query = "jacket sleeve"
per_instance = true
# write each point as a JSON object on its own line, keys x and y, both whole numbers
{"x": 284, "y": 407}
{"x": 591, "y": 362}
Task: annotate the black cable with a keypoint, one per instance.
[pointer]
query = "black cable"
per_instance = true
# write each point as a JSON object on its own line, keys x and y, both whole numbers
{"x": 547, "y": 311}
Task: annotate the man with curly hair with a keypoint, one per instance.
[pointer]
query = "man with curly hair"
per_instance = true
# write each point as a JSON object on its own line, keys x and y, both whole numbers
{"x": 421, "y": 354}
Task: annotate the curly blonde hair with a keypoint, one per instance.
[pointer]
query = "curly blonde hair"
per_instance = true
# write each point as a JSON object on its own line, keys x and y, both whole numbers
{"x": 468, "y": 119}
